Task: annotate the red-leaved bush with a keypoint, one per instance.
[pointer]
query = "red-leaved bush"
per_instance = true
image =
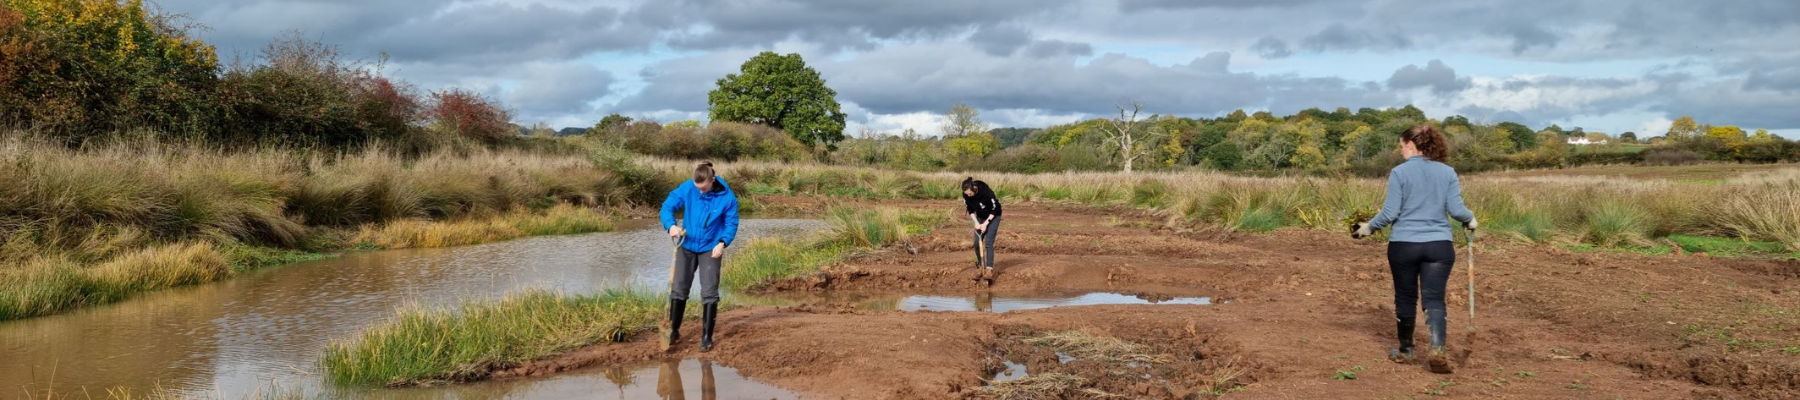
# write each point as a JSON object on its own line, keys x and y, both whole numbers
{"x": 469, "y": 114}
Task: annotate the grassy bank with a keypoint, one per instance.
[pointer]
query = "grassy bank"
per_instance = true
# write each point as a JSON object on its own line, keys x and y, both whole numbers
{"x": 1606, "y": 212}
{"x": 462, "y": 344}
{"x": 850, "y": 230}
{"x": 423, "y": 345}
{"x": 88, "y": 226}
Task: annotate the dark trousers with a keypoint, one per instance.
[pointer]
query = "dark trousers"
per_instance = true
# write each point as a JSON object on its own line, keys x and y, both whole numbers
{"x": 1420, "y": 270}
{"x": 987, "y": 240}
{"x": 688, "y": 264}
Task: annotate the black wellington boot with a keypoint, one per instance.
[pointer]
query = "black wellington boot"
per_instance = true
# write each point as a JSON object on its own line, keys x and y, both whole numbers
{"x": 708, "y": 315}
{"x": 1404, "y": 329}
{"x": 676, "y": 308}
{"x": 1439, "y": 358}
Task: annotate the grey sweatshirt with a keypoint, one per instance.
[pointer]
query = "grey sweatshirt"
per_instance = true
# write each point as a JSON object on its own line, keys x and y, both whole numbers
{"x": 1419, "y": 193}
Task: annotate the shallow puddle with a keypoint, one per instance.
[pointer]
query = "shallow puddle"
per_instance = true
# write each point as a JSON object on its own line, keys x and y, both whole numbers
{"x": 1000, "y": 303}
{"x": 996, "y": 302}
{"x": 1014, "y": 371}
{"x": 669, "y": 379}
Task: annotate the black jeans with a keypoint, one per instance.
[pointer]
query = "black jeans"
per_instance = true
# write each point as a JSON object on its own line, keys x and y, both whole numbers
{"x": 1419, "y": 269}
{"x": 986, "y": 240}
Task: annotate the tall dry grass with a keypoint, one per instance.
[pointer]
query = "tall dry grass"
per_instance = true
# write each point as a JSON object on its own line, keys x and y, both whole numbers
{"x": 75, "y": 224}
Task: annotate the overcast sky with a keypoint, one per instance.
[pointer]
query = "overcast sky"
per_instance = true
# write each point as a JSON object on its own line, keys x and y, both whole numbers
{"x": 1613, "y": 66}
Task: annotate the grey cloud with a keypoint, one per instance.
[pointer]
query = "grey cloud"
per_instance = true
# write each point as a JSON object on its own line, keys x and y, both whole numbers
{"x": 1141, "y": 5}
{"x": 488, "y": 33}
{"x": 1271, "y": 48}
{"x": 839, "y": 25}
{"x": 1339, "y": 36}
{"x": 1058, "y": 48}
{"x": 1001, "y": 40}
{"x": 1435, "y": 75}
{"x": 1729, "y": 103}
{"x": 1290, "y": 94}
{"x": 682, "y": 83}
{"x": 551, "y": 90}
{"x": 1526, "y": 35}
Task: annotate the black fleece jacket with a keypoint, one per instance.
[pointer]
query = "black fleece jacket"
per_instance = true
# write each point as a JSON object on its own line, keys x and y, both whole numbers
{"x": 983, "y": 203}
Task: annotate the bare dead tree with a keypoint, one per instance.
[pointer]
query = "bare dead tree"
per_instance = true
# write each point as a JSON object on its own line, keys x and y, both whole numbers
{"x": 1128, "y": 134}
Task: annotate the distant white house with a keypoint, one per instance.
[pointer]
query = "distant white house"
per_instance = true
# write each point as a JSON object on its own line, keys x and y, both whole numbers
{"x": 1582, "y": 141}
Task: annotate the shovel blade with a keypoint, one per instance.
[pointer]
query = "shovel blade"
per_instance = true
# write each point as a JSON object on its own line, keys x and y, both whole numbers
{"x": 662, "y": 337}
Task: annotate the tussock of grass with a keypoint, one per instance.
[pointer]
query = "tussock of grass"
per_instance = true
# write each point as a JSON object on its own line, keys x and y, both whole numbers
{"x": 1764, "y": 212}
{"x": 1611, "y": 223}
{"x": 1085, "y": 346}
{"x": 1034, "y": 387}
{"x": 1149, "y": 193}
{"x": 768, "y": 259}
{"x": 428, "y": 345}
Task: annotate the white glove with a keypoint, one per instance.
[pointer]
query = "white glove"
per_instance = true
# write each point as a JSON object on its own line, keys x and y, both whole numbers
{"x": 1471, "y": 224}
{"x": 1361, "y": 230}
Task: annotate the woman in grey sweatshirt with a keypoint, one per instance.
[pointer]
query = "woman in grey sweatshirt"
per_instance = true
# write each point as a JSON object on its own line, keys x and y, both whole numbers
{"x": 1420, "y": 192}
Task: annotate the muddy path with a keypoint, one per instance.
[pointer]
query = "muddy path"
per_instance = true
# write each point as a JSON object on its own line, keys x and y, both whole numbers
{"x": 1297, "y": 313}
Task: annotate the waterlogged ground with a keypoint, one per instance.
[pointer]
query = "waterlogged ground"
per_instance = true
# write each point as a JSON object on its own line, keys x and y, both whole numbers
{"x": 1287, "y": 315}
{"x": 1156, "y": 313}
{"x": 266, "y": 329}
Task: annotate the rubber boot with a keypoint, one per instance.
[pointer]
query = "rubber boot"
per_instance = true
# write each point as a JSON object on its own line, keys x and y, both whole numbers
{"x": 1403, "y": 328}
{"x": 709, "y": 315}
{"x": 1439, "y": 358}
{"x": 676, "y": 308}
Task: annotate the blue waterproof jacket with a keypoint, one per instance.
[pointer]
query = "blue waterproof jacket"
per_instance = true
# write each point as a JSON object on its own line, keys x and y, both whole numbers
{"x": 709, "y": 218}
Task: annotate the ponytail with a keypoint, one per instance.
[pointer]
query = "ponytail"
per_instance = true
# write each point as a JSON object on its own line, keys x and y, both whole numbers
{"x": 1430, "y": 142}
{"x": 703, "y": 172}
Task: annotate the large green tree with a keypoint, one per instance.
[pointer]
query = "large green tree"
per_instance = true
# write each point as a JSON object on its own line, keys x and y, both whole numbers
{"x": 782, "y": 92}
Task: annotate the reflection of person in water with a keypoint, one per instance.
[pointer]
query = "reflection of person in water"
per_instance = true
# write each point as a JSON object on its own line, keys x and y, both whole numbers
{"x": 668, "y": 381}
{"x": 984, "y": 302}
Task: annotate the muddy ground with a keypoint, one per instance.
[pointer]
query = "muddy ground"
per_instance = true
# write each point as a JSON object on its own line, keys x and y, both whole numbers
{"x": 1295, "y": 312}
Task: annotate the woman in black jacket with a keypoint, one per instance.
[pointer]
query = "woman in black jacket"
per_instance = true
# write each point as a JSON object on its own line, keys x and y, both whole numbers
{"x": 984, "y": 211}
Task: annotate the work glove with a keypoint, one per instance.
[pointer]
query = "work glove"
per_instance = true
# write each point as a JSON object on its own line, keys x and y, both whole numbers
{"x": 1471, "y": 224}
{"x": 1361, "y": 230}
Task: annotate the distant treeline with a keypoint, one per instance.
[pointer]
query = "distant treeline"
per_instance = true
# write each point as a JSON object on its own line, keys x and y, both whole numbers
{"x": 1312, "y": 141}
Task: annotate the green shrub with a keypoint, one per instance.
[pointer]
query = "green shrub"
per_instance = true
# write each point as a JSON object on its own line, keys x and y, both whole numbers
{"x": 78, "y": 69}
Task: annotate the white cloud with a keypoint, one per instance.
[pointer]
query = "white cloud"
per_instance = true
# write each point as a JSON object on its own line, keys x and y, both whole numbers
{"x": 1654, "y": 127}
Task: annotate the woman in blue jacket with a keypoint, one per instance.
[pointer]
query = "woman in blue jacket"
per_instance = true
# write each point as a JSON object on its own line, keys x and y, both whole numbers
{"x": 709, "y": 223}
{"x": 1420, "y": 192}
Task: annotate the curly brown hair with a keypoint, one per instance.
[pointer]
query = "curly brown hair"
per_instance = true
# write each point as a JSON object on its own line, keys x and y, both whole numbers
{"x": 1429, "y": 141}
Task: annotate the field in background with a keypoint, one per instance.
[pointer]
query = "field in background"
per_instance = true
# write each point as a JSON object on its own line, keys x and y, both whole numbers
{"x": 1762, "y": 206}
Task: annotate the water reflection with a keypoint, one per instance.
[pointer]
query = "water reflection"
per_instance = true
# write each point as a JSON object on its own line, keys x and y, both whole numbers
{"x": 688, "y": 379}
